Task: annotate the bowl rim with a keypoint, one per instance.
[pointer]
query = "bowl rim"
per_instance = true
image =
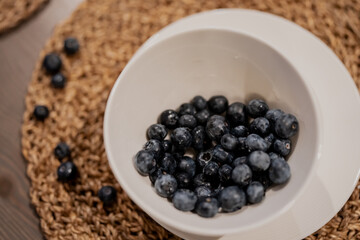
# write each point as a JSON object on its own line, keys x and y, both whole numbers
{"x": 165, "y": 218}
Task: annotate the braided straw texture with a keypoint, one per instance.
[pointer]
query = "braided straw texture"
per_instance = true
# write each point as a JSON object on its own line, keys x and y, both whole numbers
{"x": 109, "y": 33}
{"x": 13, "y": 12}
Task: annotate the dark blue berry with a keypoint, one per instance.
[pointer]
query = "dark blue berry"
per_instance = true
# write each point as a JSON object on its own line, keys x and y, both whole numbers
{"x": 107, "y": 195}
{"x": 236, "y": 114}
{"x": 203, "y": 158}
{"x": 145, "y": 162}
{"x": 255, "y": 192}
{"x": 202, "y": 117}
{"x": 62, "y": 150}
{"x": 157, "y": 131}
{"x": 218, "y": 104}
{"x": 168, "y": 163}
{"x": 169, "y": 118}
{"x": 58, "y": 80}
{"x": 187, "y": 108}
{"x": 211, "y": 170}
{"x": 279, "y": 171}
{"x": 184, "y": 200}
{"x": 270, "y": 139}
{"x": 52, "y": 63}
{"x": 241, "y": 174}
{"x": 260, "y": 126}
{"x": 259, "y": 161}
{"x": 183, "y": 179}
{"x": 199, "y": 103}
{"x": 167, "y": 145}
{"x": 155, "y": 174}
{"x": 67, "y": 171}
{"x": 274, "y": 156}
{"x": 71, "y": 45}
{"x": 273, "y": 115}
{"x": 165, "y": 185}
{"x": 286, "y": 126}
{"x": 240, "y": 131}
{"x": 221, "y": 156}
{"x": 181, "y": 138}
{"x": 257, "y": 108}
{"x": 41, "y": 112}
{"x": 238, "y": 161}
{"x": 154, "y": 146}
{"x": 188, "y": 165}
{"x": 282, "y": 146}
{"x": 188, "y": 121}
{"x": 229, "y": 142}
{"x": 216, "y": 127}
{"x": 225, "y": 173}
{"x": 203, "y": 191}
{"x": 199, "y": 137}
{"x": 207, "y": 207}
{"x": 231, "y": 199}
{"x": 254, "y": 142}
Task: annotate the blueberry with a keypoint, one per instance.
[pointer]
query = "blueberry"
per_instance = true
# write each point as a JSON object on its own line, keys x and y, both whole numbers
{"x": 260, "y": 126}
{"x": 62, "y": 150}
{"x": 216, "y": 127}
{"x": 221, "y": 156}
{"x": 229, "y": 142}
{"x": 236, "y": 114}
{"x": 263, "y": 178}
{"x": 240, "y": 131}
{"x": 154, "y": 146}
{"x": 203, "y": 192}
{"x": 218, "y": 104}
{"x": 279, "y": 171}
{"x": 200, "y": 180}
{"x": 67, "y": 171}
{"x": 169, "y": 118}
{"x": 155, "y": 174}
{"x": 255, "y": 192}
{"x": 107, "y": 195}
{"x": 270, "y": 139}
{"x": 259, "y": 161}
{"x": 187, "y": 108}
{"x": 145, "y": 162}
{"x": 238, "y": 161}
{"x": 257, "y": 108}
{"x": 282, "y": 146}
{"x": 165, "y": 185}
{"x": 211, "y": 170}
{"x": 273, "y": 115}
{"x": 203, "y": 158}
{"x": 207, "y": 207}
{"x": 254, "y": 142}
{"x": 183, "y": 179}
{"x": 225, "y": 173}
{"x": 241, "y": 174}
{"x": 58, "y": 80}
{"x": 202, "y": 116}
{"x": 286, "y": 126}
{"x": 188, "y": 121}
{"x": 199, "y": 103}
{"x": 157, "y": 131}
{"x": 188, "y": 165}
{"x": 41, "y": 112}
{"x": 181, "y": 138}
{"x": 274, "y": 156}
{"x": 232, "y": 198}
{"x": 167, "y": 145}
{"x": 199, "y": 137}
{"x": 184, "y": 200}
{"x": 71, "y": 45}
{"x": 52, "y": 63}
{"x": 168, "y": 163}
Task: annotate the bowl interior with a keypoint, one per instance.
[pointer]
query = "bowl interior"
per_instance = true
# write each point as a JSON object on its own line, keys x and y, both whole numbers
{"x": 206, "y": 62}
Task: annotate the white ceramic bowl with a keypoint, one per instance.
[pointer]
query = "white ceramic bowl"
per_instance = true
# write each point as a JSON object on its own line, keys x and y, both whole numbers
{"x": 207, "y": 62}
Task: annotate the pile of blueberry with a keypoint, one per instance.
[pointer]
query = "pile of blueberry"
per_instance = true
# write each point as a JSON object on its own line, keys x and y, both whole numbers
{"x": 67, "y": 171}
{"x": 217, "y": 157}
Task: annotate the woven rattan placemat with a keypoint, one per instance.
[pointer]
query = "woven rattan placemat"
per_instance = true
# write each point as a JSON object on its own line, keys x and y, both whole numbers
{"x": 109, "y": 33}
{"x": 13, "y": 12}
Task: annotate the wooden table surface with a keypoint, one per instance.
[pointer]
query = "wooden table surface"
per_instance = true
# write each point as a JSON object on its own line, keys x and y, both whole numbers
{"x": 19, "y": 49}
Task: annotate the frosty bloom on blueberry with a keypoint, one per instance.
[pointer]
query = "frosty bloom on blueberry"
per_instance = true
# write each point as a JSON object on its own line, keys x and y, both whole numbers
{"x": 211, "y": 157}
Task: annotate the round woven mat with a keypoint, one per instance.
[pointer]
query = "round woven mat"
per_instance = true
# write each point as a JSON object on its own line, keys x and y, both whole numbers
{"x": 109, "y": 33}
{"x": 13, "y": 12}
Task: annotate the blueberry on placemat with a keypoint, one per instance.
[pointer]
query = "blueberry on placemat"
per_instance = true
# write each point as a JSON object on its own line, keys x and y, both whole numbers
{"x": 67, "y": 171}
{"x": 71, "y": 45}
{"x": 52, "y": 63}
{"x": 41, "y": 112}
{"x": 62, "y": 150}
{"x": 107, "y": 195}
